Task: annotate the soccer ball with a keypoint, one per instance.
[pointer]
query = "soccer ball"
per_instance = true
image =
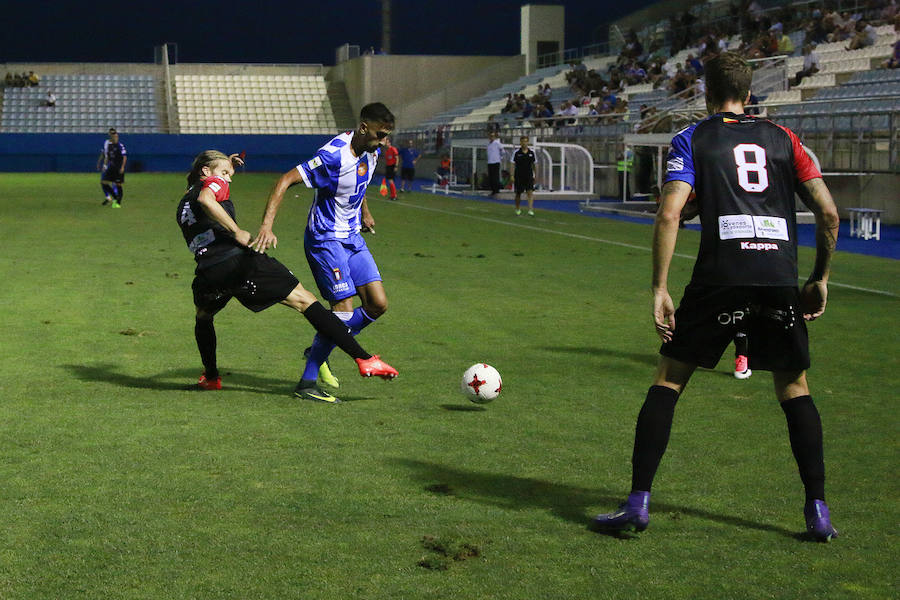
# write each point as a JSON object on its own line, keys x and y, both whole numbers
{"x": 481, "y": 383}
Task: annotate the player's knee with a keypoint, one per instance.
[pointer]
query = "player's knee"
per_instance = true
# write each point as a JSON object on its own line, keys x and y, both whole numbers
{"x": 300, "y": 298}
{"x": 204, "y": 315}
{"x": 376, "y": 307}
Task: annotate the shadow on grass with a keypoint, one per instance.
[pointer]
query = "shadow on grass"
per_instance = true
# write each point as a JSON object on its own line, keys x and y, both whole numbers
{"x": 567, "y": 502}
{"x": 642, "y": 358}
{"x": 463, "y": 407}
{"x": 178, "y": 380}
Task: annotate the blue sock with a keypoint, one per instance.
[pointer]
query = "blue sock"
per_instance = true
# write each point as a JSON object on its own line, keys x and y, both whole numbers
{"x": 321, "y": 347}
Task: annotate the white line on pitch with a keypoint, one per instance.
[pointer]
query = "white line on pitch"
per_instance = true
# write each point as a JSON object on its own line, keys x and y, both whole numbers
{"x": 603, "y": 241}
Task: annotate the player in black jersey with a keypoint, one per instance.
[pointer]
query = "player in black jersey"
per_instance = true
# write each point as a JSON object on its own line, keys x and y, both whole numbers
{"x": 524, "y": 161}
{"x": 227, "y": 268}
{"x": 111, "y": 163}
{"x": 745, "y": 172}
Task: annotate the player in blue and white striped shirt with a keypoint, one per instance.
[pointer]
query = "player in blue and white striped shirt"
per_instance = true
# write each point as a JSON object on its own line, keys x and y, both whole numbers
{"x": 337, "y": 254}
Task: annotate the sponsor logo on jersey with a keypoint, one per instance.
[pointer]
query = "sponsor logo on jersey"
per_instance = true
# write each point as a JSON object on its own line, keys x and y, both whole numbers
{"x": 362, "y": 168}
{"x": 340, "y": 287}
{"x": 675, "y": 164}
{"x": 759, "y": 246}
{"x": 315, "y": 163}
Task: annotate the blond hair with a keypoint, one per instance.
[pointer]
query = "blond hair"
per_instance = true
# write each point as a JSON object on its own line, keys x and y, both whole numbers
{"x": 205, "y": 159}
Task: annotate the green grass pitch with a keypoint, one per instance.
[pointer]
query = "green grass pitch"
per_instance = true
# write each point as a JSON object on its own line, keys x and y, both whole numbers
{"x": 120, "y": 481}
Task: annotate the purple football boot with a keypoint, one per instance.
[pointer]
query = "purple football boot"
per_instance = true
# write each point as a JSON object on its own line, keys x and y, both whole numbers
{"x": 818, "y": 521}
{"x": 631, "y": 516}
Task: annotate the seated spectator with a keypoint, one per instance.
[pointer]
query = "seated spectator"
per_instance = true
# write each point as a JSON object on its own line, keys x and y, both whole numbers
{"x": 9, "y": 81}
{"x": 33, "y": 79}
{"x": 50, "y": 100}
{"x": 864, "y": 36}
{"x": 893, "y": 62}
{"x": 785, "y": 45}
{"x": 694, "y": 64}
{"x": 810, "y": 63}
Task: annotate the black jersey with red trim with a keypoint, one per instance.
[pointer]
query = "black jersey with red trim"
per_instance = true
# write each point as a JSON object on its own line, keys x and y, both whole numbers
{"x": 744, "y": 171}
{"x": 210, "y": 242}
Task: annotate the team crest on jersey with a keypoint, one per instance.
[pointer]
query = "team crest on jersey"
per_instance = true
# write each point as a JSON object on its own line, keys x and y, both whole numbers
{"x": 337, "y": 273}
{"x": 362, "y": 168}
{"x": 727, "y": 120}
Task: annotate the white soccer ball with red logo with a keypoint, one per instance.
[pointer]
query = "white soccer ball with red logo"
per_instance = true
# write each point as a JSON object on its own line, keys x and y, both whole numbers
{"x": 481, "y": 383}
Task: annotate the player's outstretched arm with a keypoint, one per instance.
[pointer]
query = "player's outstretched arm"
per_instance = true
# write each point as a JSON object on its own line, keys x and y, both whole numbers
{"x": 265, "y": 238}
{"x": 817, "y": 198}
{"x": 665, "y": 232}
{"x": 207, "y": 200}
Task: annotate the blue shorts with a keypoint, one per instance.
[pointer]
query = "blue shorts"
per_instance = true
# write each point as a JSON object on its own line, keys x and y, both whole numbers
{"x": 340, "y": 266}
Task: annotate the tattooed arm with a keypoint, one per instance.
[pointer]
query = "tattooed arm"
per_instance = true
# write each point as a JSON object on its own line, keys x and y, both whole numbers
{"x": 818, "y": 199}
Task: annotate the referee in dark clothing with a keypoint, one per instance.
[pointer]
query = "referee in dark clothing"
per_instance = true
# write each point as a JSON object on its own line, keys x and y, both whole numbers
{"x": 524, "y": 162}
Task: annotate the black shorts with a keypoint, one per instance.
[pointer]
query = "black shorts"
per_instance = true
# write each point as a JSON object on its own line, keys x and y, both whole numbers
{"x": 257, "y": 280}
{"x": 407, "y": 173}
{"x": 709, "y": 317}
{"x": 524, "y": 184}
{"x": 113, "y": 174}
{"x": 390, "y": 171}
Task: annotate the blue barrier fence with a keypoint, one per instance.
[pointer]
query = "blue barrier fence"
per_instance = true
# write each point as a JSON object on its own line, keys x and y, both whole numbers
{"x": 78, "y": 152}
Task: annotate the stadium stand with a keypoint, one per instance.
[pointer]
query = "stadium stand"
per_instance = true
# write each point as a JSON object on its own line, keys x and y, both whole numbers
{"x": 274, "y": 104}
{"x": 85, "y": 103}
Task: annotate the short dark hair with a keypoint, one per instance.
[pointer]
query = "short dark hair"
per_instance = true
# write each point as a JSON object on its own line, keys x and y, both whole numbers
{"x": 376, "y": 112}
{"x": 113, "y": 130}
{"x": 728, "y": 77}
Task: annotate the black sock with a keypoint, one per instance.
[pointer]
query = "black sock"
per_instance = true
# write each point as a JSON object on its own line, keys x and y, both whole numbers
{"x": 327, "y": 323}
{"x": 107, "y": 190}
{"x": 805, "y": 431}
{"x": 740, "y": 344}
{"x": 205, "y": 332}
{"x": 651, "y": 435}
{"x": 119, "y": 192}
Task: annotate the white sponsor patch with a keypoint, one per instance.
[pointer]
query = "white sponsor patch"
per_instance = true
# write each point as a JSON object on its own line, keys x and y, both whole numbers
{"x": 675, "y": 164}
{"x": 315, "y": 163}
{"x": 215, "y": 187}
{"x": 735, "y": 226}
{"x": 774, "y": 228}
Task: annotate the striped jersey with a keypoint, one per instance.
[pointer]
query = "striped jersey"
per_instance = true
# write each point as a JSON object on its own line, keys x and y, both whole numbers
{"x": 744, "y": 171}
{"x": 340, "y": 179}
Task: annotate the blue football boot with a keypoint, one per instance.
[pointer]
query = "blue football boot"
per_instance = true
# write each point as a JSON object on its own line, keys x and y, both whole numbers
{"x": 633, "y": 515}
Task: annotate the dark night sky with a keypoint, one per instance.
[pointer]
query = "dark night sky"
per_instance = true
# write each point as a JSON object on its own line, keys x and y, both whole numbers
{"x": 275, "y": 31}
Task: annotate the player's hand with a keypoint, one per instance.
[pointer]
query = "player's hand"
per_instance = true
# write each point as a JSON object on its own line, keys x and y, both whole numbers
{"x": 264, "y": 240}
{"x": 236, "y": 160}
{"x": 368, "y": 221}
{"x": 813, "y": 297}
{"x": 243, "y": 237}
{"x": 663, "y": 314}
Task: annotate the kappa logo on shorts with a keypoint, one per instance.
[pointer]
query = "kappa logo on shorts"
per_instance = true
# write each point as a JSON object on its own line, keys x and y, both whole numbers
{"x": 337, "y": 273}
{"x": 362, "y": 168}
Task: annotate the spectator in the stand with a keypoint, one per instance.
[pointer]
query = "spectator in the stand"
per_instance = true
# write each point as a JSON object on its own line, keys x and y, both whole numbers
{"x": 893, "y": 62}
{"x": 694, "y": 64}
{"x": 509, "y": 103}
{"x": 33, "y": 79}
{"x": 810, "y": 63}
{"x": 864, "y": 37}
{"x": 890, "y": 11}
{"x": 785, "y": 45}
{"x": 9, "y": 81}
{"x": 50, "y": 100}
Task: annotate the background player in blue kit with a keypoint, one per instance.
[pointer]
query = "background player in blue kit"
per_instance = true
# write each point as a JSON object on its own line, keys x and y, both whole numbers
{"x": 337, "y": 254}
{"x": 409, "y": 156}
{"x": 227, "y": 268}
{"x": 745, "y": 172}
{"x": 112, "y": 164}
